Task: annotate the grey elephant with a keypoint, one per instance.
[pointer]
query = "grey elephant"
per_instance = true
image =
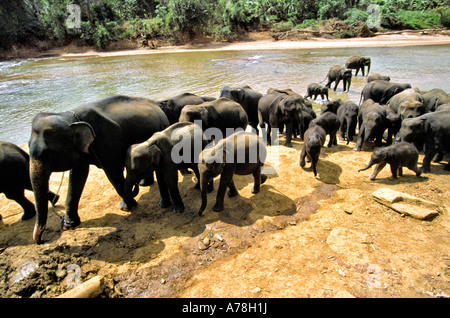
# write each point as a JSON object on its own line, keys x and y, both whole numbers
{"x": 431, "y": 132}
{"x": 241, "y": 153}
{"x": 434, "y": 98}
{"x": 172, "y": 106}
{"x": 315, "y": 89}
{"x": 381, "y": 91}
{"x": 98, "y": 133}
{"x": 278, "y": 108}
{"x": 398, "y": 155}
{"x": 248, "y": 98}
{"x": 330, "y": 123}
{"x": 175, "y": 148}
{"x": 337, "y": 74}
{"x": 15, "y": 178}
{"x": 359, "y": 63}
{"x": 408, "y": 103}
{"x": 331, "y": 106}
{"x": 313, "y": 142}
{"x": 377, "y": 77}
{"x": 348, "y": 119}
{"x": 372, "y": 124}
{"x": 224, "y": 114}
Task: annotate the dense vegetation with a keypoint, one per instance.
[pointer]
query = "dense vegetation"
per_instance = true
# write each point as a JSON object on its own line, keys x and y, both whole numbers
{"x": 178, "y": 21}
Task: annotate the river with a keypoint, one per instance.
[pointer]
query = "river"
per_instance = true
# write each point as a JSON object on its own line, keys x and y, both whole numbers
{"x": 31, "y": 86}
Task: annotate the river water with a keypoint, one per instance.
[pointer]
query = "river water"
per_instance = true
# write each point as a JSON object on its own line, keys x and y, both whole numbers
{"x": 31, "y": 86}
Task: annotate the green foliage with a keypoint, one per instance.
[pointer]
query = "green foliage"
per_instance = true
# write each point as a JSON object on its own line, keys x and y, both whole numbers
{"x": 103, "y": 21}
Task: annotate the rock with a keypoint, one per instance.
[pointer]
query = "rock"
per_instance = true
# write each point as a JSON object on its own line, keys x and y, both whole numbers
{"x": 89, "y": 289}
{"x": 255, "y": 290}
{"x": 407, "y": 204}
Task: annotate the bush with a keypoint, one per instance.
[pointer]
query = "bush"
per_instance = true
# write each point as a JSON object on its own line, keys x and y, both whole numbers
{"x": 419, "y": 19}
{"x": 445, "y": 17}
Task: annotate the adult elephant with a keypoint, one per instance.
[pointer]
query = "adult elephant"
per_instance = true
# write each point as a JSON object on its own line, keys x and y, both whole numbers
{"x": 248, "y": 98}
{"x": 175, "y": 148}
{"x": 278, "y": 108}
{"x": 430, "y": 132}
{"x": 96, "y": 133}
{"x": 337, "y": 74}
{"x": 372, "y": 124}
{"x": 381, "y": 91}
{"x": 172, "y": 107}
{"x": 359, "y": 63}
{"x": 348, "y": 118}
{"x": 434, "y": 98}
{"x": 408, "y": 103}
{"x": 223, "y": 114}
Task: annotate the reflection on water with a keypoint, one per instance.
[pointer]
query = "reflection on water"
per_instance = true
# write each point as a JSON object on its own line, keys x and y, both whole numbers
{"x": 31, "y": 86}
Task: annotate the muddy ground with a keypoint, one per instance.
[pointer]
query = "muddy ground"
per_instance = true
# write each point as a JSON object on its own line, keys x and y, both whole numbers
{"x": 301, "y": 236}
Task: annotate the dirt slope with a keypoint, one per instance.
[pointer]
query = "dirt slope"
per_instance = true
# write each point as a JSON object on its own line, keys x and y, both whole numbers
{"x": 300, "y": 236}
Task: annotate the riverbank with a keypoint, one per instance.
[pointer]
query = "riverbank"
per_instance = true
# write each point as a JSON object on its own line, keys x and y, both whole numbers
{"x": 252, "y": 41}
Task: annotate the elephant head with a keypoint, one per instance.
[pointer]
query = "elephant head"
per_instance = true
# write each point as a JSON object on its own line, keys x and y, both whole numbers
{"x": 141, "y": 161}
{"x": 410, "y": 109}
{"x": 236, "y": 94}
{"x": 394, "y": 89}
{"x": 57, "y": 143}
{"x": 413, "y": 130}
{"x": 346, "y": 76}
{"x": 211, "y": 163}
{"x": 351, "y": 116}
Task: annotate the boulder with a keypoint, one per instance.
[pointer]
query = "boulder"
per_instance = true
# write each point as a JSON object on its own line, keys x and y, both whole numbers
{"x": 407, "y": 204}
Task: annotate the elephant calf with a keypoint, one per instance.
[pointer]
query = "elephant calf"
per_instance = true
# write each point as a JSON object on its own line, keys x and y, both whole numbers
{"x": 315, "y": 89}
{"x": 175, "y": 148}
{"x": 398, "y": 155}
{"x": 15, "y": 178}
{"x": 314, "y": 140}
{"x": 338, "y": 73}
{"x": 241, "y": 153}
{"x": 348, "y": 118}
{"x": 330, "y": 123}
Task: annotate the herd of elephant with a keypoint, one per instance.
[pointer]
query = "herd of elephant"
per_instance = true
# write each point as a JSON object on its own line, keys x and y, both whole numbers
{"x": 139, "y": 135}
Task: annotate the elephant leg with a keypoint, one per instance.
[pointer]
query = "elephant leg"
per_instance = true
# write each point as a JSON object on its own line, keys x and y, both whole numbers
{"x": 197, "y": 175}
{"x": 302, "y": 157}
{"x": 171, "y": 179}
{"x": 28, "y": 207}
{"x": 394, "y": 170}
{"x": 163, "y": 190}
{"x": 77, "y": 180}
{"x": 232, "y": 192}
{"x": 225, "y": 179}
{"x": 377, "y": 170}
{"x": 256, "y": 180}
{"x": 288, "y": 142}
{"x": 336, "y": 83}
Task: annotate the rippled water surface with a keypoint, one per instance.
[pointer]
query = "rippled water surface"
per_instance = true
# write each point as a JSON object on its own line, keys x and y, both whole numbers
{"x": 28, "y": 87}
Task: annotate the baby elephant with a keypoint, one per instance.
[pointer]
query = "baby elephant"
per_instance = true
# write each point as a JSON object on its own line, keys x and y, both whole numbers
{"x": 402, "y": 154}
{"x": 241, "y": 153}
{"x": 314, "y": 140}
{"x": 315, "y": 89}
{"x": 15, "y": 178}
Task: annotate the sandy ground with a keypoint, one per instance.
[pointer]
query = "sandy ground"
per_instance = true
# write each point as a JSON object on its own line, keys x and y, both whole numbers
{"x": 301, "y": 236}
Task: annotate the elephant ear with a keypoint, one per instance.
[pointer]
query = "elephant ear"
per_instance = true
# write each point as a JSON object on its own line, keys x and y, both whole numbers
{"x": 155, "y": 154}
{"x": 84, "y": 135}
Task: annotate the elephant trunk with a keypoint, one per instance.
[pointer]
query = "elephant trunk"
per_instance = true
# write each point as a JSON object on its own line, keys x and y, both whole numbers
{"x": 204, "y": 180}
{"x": 40, "y": 175}
{"x": 370, "y": 164}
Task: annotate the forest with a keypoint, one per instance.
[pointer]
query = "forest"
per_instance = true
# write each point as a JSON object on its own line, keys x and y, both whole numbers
{"x": 100, "y": 22}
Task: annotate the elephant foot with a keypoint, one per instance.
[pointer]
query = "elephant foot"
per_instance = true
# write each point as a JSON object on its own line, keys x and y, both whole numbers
{"x": 28, "y": 215}
{"x": 217, "y": 208}
{"x": 128, "y": 207}
{"x": 288, "y": 144}
{"x": 164, "y": 204}
{"x": 37, "y": 233}
{"x": 232, "y": 193}
{"x": 392, "y": 178}
{"x": 302, "y": 163}
{"x": 263, "y": 178}
{"x": 69, "y": 224}
{"x": 178, "y": 209}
